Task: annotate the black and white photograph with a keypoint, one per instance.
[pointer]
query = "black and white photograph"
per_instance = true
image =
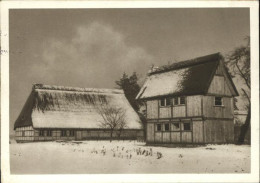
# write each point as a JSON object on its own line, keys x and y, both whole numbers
{"x": 138, "y": 90}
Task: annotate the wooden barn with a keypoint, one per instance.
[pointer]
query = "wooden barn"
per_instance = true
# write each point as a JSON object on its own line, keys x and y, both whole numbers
{"x": 190, "y": 102}
{"x": 66, "y": 113}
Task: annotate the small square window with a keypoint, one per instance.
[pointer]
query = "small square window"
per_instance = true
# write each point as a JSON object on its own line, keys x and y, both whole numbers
{"x": 186, "y": 127}
{"x": 48, "y": 132}
{"x": 72, "y": 133}
{"x": 63, "y": 133}
{"x": 165, "y": 102}
{"x": 41, "y": 133}
{"x": 167, "y": 127}
{"x": 159, "y": 127}
{"x": 175, "y": 100}
{"x": 182, "y": 100}
{"x": 168, "y": 101}
{"x": 176, "y": 126}
{"x": 218, "y": 101}
{"x": 162, "y": 102}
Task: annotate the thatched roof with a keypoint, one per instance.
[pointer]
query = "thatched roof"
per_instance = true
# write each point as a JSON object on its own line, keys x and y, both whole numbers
{"x": 191, "y": 77}
{"x": 69, "y": 107}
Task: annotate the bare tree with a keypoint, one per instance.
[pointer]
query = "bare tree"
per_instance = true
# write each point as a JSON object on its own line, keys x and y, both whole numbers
{"x": 114, "y": 118}
{"x": 239, "y": 65}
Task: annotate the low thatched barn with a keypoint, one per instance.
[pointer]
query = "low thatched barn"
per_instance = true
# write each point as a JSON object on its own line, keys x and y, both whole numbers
{"x": 66, "y": 113}
{"x": 190, "y": 102}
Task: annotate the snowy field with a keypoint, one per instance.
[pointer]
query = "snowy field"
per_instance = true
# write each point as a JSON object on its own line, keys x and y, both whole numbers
{"x": 125, "y": 157}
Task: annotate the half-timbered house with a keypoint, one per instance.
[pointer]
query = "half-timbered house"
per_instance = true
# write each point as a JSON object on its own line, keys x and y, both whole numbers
{"x": 190, "y": 102}
{"x": 67, "y": 113}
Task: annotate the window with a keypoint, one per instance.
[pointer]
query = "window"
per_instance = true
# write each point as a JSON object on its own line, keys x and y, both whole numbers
{"x": 175, "y": 100}
{"x": 159, "y": 127}
{"x": 166, "y": 126}
{"x": 72, "y": 133}
{"x": 41, "y": 133}
{"x": 186, "y": 127}
{"x": 218, "y": 101}
{"x": 23, "y": 133}
{"x": 182, "y": 100}
{"x": 168, "y": 101}
{"x": 162, "y": 102}
{"x": 176, "y": 127}
{"x": 165, "y": 102}
{"x": 48, "y": 132}
{"x": 63, "y": 133}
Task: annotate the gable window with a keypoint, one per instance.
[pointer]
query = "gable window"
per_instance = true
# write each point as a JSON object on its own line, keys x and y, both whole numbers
{"x": 165, "y": 102}
{"x": 166, "y": 126}
{"x": 175, "y": 101}
{"x": 176, "y": 127}
{"x": 186, "y": 127}
{"x": 63, "y": 133}
{"x": 159, "y": 127}
{"x": 182, "y": 100}
{"x": 72, "y": 133}
{"x": 48, "y": 132}
{"x": 218, "y": 101}
{"x": 41, "y": 133}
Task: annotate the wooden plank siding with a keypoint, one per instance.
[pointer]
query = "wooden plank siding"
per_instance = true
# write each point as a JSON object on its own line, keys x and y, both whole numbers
{"x": 219, "y": 70}
{"x": 166, "y": 137}
{"x": 165, "y": 112}
{"x": 179, "y": 111}
{"x": 194, "y": 107}
{"x": 219, "y": 131}
{"x": 217, "y": 85}
{"x": 210, "y": 110}
{"x": 228, "y": 85}
{"x": 150, "y": 132}
{"x": 197, "y": 131}
{"x": 186, "y": 137}
{"x": 152, "y": 109}
{"x": 175, "y": 137}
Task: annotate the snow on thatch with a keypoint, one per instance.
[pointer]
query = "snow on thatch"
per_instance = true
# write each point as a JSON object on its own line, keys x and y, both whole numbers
{"x": 184, "y": 78}
{"x": 162, "y": 84}
{"x": 67, "y": 107}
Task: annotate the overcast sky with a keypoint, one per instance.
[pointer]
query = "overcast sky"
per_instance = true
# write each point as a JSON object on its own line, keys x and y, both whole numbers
{"x": 93, "y": 47}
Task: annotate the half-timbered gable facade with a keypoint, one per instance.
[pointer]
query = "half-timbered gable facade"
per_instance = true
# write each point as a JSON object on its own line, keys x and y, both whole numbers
{"x": 190, "y": 102}
{"x": 68, "y": 113}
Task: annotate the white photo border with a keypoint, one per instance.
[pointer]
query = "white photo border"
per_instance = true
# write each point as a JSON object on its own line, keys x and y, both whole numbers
{"x": 254, "y": 36}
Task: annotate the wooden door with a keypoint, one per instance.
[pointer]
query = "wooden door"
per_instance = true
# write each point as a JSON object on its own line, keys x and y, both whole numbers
{"x": 78, "y": 135}
{"x": 150, "y": 132}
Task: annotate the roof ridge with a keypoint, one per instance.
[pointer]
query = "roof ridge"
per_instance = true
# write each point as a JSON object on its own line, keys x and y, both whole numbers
{"x": 76, "y": 89}
{"x": 187, "y": 63}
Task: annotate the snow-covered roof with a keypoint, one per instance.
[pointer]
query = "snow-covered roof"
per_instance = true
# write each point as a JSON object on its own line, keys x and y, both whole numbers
{"x": 68, "y": 107}
{"x": 189, "y": 77}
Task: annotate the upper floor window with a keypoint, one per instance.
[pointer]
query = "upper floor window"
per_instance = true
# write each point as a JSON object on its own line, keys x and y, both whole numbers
{"x": 175, "y": 101}
{"x": 165, "y": 102}
{"x": 179, "y": 100}
{"x": 182, "y": 100}
{"x": 218, "y": 101}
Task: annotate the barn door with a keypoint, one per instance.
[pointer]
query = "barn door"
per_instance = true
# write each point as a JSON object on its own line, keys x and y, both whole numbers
{"x": 78, "y": 135}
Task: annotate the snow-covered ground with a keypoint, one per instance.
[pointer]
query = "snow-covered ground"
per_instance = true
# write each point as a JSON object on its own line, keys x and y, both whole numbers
{"x": 125, "y": 157}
